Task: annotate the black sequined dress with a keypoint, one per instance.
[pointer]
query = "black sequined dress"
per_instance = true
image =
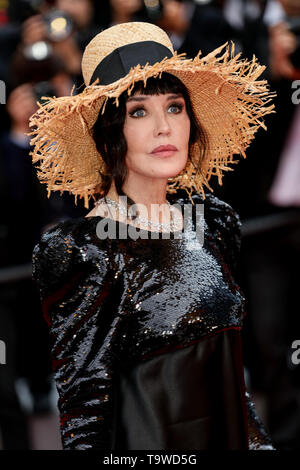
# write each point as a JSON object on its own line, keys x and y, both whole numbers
{"x": 146, "y": 334}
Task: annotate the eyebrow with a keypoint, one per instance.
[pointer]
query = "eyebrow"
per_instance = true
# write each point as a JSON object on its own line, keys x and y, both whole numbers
{"x": 145, "y": 97}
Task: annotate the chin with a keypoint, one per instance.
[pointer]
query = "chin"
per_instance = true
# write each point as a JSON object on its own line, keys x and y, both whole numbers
{"x": 165, "y": 174}
{"x": 162, "y": 171}
{"x": 175, "y": 171}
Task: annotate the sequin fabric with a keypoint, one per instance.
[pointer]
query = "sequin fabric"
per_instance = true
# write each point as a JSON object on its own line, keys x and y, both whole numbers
{"x": 112, "y": 303}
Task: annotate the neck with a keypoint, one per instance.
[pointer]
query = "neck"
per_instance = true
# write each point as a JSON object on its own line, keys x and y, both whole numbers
{"x": 146, "y": 193}
{"x": 149, "y": 202}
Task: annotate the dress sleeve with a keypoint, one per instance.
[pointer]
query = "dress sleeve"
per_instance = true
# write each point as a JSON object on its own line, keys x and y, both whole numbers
{"x": 258, "y": 438}
{"x": 225, "y": 226}
{"x": 75, "y": 303}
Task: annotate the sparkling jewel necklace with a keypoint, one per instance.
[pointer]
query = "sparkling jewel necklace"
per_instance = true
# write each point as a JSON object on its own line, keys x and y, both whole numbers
{"x": 175, "y": 219}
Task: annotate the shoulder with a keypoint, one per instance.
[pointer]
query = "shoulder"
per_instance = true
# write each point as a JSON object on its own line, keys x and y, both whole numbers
{"x": 218, "y": 214}
{"x": 224, "y": 227}
{"x": 221, "y": 213}
{"x": 57, "y": 239}
{"x": 53, "y": 254}
{"x": 59, "y": 251}
{"x": 215, "y": 209}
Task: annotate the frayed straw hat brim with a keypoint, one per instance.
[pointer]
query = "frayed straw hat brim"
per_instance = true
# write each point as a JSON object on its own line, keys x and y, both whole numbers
{"x": 227, "y": 98}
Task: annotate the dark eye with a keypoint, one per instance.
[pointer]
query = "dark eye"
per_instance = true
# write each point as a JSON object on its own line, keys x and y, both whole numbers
{"x": 137, "y": 112}
{"x": 175, "y": 108}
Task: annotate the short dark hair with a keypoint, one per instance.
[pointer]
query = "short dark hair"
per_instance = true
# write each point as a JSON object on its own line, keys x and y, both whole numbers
{"x": 110, "y": 140}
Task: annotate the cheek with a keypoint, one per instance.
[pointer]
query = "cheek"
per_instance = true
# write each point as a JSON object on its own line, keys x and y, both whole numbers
{"x": 183, "y": 131}
{"x": 136, "y": 137}
{"x": 135, "y": 145}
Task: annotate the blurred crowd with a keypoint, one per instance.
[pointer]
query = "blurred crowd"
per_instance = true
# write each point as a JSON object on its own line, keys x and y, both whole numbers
{"x": 41, "y": 45}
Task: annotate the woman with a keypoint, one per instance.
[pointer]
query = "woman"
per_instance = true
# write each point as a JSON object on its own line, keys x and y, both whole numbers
{"x": 145, "y": 328}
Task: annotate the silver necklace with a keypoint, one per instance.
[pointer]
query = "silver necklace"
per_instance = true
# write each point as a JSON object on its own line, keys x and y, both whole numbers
{"x": 175, "y": 219}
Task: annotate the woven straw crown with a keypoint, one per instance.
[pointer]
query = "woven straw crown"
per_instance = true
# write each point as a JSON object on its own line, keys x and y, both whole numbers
{"x": 120, "y": 35}
{"x": 228, "y": 100}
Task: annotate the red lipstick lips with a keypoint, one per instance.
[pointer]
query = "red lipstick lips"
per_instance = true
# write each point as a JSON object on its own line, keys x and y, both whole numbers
{"x": 164, "y": 151}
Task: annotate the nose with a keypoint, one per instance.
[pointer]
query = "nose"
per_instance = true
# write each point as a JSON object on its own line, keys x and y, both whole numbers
{"x": 162, "y": 126}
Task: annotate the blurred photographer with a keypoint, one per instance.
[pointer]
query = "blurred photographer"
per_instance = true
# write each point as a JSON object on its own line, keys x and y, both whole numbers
{"x": 285, "y": 42}
{"x": 171, "y": 15}
{"x": 271, "y": 255}
{"x": 123, "y": 11}
{"x": 25, "y": 215}
{"x": 175, "y": 16}
{"x": 36, "y": 29}
{"x": 64, "y": 26}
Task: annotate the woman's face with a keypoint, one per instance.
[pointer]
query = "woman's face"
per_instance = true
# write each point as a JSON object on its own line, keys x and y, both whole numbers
{"x": 127, "y": 7}
{"x": 157, "y": 131}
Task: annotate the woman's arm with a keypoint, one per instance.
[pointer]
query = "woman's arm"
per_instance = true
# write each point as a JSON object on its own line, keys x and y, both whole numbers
{"x": 225, "y": 225}
{"x": 258, "y": 438}
{"x": 83, "y": 330}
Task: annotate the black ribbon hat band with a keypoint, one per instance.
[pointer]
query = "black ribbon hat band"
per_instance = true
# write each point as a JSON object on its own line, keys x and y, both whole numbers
{"x": 118, "y": 63}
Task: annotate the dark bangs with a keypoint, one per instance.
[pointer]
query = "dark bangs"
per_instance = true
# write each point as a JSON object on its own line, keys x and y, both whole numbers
{"x": 160, "y": 86}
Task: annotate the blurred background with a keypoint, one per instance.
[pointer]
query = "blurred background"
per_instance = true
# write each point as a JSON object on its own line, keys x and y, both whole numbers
{"x": 41, "y": 45}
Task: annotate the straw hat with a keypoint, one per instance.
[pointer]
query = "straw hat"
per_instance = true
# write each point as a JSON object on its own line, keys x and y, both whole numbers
{"x": 227, "y": 98}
